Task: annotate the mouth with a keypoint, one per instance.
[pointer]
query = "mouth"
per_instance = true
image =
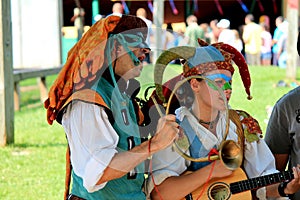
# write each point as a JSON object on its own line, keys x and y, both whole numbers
{"x": 227, "y": 97}
{"x": 222, "y": 101}
{"x": 141, "y": 58}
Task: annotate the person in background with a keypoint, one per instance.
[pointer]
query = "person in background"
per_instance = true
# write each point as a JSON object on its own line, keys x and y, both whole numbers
{"x": 180, "y": 39}
{"x": 283, "y": 130}
{"x": 207, "y": 31}
{"x": 266, "y": 48}
{"x": 215, "y": 31}
{"x": 97, "y": 17}
{"x": 93, "y": 98}
{"x": 193, "y": 31}
{"x": 202, "y": 118}
{"x": 141, "y": 13}
{"x": 282, "y": 46}
{"x": 169, "y": 36}
{"x": 252, "y": 40}
{"x": 226, "y": 34}
{"x": 78, "y": 19}
{"x": 241, "y": 31}
{"x": 266, "y": 20}
{"x": 117, "y": 9}
{"x": 276, "y": 36}
{"x": 238, "y": 43}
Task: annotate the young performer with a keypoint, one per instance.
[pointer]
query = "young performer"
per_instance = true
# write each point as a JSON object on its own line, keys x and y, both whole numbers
{"x": 203, "y": 121}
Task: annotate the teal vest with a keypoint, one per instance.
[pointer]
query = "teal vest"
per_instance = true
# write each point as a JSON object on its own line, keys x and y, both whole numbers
{"x": 125, "y": 124}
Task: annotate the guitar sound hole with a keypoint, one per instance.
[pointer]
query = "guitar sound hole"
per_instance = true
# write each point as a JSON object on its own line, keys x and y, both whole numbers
{"x": 219, "y": 191}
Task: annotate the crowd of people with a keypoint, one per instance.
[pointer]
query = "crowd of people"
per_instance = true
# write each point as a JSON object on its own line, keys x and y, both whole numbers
{"x": 259, "y": 46}
{"x": 253, "y": 40}
{"x": 94, "y": 99}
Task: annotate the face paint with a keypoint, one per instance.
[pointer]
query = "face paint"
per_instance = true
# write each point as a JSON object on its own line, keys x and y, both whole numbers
{"x": 221, "y": 80}
{"x": 131, "y": 40}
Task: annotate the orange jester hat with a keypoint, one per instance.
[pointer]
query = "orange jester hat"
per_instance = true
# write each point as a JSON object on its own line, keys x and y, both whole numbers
{"x": 86, "y": 59}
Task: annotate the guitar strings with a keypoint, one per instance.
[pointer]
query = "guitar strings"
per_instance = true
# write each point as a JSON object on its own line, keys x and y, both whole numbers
{"x": 258, "y": 182}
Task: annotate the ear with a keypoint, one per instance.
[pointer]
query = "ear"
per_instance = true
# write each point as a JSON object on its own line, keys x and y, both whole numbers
{"x": 117, "y": 47}
{"x": 195, "y": 85}
{"x": 117, "y": 50}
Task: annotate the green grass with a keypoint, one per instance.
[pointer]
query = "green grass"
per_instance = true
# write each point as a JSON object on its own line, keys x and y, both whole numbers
{"x": 34, "y": 166}
{"x": 263, "y": 90}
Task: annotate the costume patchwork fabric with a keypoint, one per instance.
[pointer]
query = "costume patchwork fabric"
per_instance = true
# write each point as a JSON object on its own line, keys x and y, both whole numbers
{"x": 85, "y": 59}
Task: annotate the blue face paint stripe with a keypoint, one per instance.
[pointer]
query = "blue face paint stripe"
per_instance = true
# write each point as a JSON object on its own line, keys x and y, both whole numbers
{"x": 215, "y": 76}
{"x": 212, "y": 77}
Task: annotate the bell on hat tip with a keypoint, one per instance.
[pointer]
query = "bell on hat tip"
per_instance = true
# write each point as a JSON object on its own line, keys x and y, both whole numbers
{"x": 249, "y": 97}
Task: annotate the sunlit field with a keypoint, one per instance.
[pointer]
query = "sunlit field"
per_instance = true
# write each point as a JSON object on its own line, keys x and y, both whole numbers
{"x": 34, "y": 166}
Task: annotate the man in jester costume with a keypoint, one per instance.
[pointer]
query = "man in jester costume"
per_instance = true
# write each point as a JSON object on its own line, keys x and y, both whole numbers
{"x": 93, "y": 99}
{"x": 187, "y": 169}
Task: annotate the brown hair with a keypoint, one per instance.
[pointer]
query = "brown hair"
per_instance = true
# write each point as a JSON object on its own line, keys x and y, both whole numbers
{"x": 130, "y": 23}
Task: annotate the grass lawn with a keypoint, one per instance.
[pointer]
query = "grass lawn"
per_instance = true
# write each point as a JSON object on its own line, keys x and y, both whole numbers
{"x": 34, "y": 166}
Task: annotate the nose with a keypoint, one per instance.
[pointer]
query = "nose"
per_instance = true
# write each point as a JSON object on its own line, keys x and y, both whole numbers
{"x": 142, "y": 53}
{"x": 227, "y": 93}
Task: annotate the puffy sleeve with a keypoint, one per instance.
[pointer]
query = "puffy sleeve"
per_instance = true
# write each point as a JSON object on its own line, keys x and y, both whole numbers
{"x": 92, "y": 141}
{"x": 259, "y": 160}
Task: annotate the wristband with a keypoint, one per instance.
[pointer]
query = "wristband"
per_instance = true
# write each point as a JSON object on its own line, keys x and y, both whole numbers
{"x": 281, "y": 188}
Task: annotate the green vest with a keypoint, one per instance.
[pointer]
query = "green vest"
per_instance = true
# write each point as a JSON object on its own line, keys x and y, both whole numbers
{"x": 125, "y": 124}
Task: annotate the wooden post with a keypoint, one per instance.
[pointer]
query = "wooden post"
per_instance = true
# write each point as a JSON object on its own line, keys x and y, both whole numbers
{"x": 43, "y": 88}
{"x": 292, "y": 18}
{"x": 6, "y": 76}
{"x": 158, "y": 20}
{"x": 17, "y": 93}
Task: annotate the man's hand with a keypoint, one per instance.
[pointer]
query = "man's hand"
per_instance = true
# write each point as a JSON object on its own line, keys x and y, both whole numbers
{"x": 167, "y": 132}
{"x": 294, "y": 186}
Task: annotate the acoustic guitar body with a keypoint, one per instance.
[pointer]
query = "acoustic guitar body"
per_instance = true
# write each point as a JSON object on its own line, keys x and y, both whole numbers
{"x": 219, "y": 189}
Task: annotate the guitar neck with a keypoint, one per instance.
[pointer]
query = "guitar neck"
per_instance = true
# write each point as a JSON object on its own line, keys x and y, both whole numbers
{"x": 261, "y": 181}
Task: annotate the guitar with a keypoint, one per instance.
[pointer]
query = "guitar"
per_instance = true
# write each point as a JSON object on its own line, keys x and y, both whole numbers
{"x": 236, "y": 186}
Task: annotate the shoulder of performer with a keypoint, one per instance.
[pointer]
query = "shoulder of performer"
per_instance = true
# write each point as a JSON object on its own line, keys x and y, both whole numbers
{"x": 251, "y": 127}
